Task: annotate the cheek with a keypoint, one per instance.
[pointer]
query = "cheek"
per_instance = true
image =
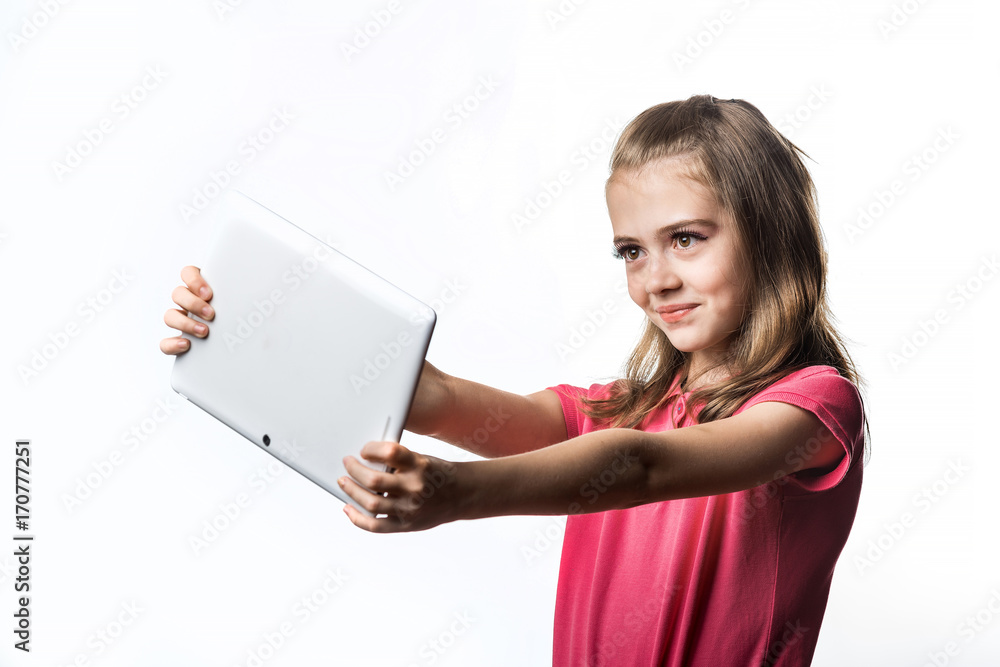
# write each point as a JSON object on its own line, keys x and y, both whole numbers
{"x": 636, "y": 291}
{"x": 720, "y": 288}
{"x": 730, "y": 299}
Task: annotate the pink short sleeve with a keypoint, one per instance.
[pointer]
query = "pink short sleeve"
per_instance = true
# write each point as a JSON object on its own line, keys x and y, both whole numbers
{"x": 836, "y": 402}
{"x": 569, "y": 395}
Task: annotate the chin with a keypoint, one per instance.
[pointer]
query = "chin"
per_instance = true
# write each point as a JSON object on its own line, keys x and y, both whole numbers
{"x": 683, "y": 343}
{"x": 688, "y": 348}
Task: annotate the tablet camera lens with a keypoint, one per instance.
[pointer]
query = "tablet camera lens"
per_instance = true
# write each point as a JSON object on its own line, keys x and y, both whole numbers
{"x": 267, "y": 440}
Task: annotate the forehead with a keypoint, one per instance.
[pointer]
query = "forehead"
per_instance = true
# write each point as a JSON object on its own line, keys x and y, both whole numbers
{"x": 661, "y": 193}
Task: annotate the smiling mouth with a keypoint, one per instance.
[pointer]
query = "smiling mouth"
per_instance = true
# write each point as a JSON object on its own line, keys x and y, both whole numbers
{"x": 676, "y": 315}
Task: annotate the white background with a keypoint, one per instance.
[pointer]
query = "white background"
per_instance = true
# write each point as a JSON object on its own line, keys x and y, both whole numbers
{"x": 860, "y": 100}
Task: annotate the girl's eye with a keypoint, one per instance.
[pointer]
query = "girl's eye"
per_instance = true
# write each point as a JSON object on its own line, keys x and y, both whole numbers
{"x": 625, "y": 252}
{"x": 686, "y": 239}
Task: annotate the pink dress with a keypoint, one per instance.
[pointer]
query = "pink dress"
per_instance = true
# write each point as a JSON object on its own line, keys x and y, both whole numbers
{"x": 728, "y": 580}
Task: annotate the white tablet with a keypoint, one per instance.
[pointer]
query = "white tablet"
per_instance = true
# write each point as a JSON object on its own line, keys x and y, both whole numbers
{"x": 310, "y": 355}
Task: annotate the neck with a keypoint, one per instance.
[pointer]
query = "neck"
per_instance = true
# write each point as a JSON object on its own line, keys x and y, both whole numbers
{"x": 691, "y": 382}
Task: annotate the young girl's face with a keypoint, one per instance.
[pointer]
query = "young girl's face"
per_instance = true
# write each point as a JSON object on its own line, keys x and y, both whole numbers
{"x": 680, "y": 250}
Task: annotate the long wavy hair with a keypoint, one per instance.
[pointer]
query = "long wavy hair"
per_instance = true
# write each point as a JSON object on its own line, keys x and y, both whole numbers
{"x": 758, "y": 178}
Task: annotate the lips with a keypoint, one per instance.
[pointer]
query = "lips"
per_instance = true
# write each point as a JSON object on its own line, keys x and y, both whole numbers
{"x": 674, "y": 307}
{"x": 675, "y": 312}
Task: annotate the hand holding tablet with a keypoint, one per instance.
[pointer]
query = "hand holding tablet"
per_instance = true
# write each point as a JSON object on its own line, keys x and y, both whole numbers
{"x": 310, "y": 356}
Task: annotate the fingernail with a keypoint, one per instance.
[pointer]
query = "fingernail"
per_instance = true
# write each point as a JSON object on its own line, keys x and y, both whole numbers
{"x": 203, "y": 292}
{"x": 207, "y": 311}
{"x": 200, "y": 328}
{"x": 340, "y": 481}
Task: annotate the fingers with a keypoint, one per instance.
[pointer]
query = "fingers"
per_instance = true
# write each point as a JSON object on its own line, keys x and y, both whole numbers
{"x": 183, "y": 297}
{"x": 392, "y": 454}
{"x": 372, "y": 480}
{"x": 374, "y": 503}
{"x": 175, "y": 345}
{"x": 412, "y": 497}
{"x": 193, "y": 297}
{"x": 191, "y": 275}
{"x": 366, "y": 485}
{"x": 371, "y": 524}
{"x": 178, "y": 319}
{"x": 196, "y": 293}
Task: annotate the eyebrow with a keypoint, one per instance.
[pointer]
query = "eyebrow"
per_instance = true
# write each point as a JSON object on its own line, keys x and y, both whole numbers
{"x": 666, "y": 230}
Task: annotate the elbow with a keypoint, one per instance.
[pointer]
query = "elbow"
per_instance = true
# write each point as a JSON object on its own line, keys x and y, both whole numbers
{"x": 653, "y": 479}
{"x": 639, "y": 469}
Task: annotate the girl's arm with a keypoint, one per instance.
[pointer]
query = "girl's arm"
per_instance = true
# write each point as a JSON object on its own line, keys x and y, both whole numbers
{"x": 483, "y": 420}
{"x": 598, "y": 471}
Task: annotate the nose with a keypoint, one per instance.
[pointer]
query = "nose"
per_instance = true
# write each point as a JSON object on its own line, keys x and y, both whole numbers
{"x": 661, "y": 275}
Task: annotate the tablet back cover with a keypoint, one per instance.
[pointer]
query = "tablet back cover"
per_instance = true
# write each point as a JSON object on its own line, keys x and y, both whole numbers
{"x": 310, "y": 355}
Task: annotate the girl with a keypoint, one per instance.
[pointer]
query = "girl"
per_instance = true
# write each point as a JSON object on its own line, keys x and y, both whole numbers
{"x": 710, "y": 490}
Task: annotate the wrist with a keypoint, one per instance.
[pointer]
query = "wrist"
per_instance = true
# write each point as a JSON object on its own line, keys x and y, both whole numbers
{"x": 477, "y": 490}
{"x": 430, "y": 402}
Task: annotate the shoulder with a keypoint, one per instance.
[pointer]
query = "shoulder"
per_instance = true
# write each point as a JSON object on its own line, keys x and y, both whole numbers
{"x": 818, "y": 375}
{"x": 595, "y": 390}
{"x": 819, "y": 383}
{"x": 833, "y": 398}
{"x": 571, "y": 400}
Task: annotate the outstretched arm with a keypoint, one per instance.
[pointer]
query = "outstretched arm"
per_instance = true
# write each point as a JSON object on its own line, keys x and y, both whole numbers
{"x": 481, "y": 419}
{"x": 598, "y": 471}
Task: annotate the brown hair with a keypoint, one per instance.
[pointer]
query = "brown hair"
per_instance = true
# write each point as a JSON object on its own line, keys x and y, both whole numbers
{"x": 759, "y": 179}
